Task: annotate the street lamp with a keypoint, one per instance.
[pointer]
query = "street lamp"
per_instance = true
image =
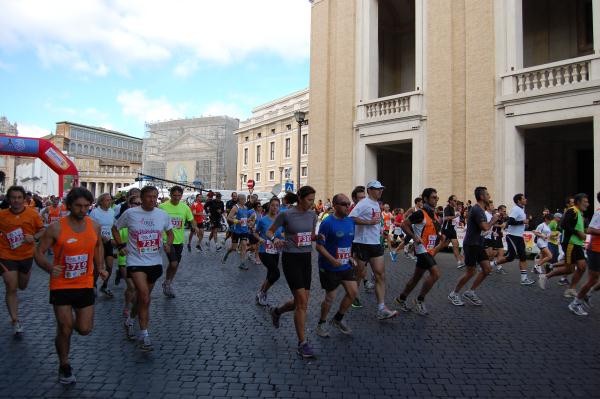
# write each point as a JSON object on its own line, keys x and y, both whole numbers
{"x": 299, "y": 116}
{"x": 281, "y": 176}
{"x": 241, "y": 181}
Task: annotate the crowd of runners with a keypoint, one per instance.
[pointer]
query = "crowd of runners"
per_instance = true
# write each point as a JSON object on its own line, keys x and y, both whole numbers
{"x": 81, "y": 241}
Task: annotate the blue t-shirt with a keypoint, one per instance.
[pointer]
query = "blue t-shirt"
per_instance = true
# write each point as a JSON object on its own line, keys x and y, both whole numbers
{"x": 262, "y": 226}
{"x": 242, "y": 215}
{"x": 336, "y": 235}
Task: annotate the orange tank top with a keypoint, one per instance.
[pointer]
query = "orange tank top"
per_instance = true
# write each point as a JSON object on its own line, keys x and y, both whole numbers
{"x": 76, "y": 252}
{"x": 429, "y": 235}
{"x": 54, "y": 213}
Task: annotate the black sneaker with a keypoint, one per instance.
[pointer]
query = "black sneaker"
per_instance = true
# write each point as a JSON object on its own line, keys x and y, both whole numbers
{"x": 65, "y": 375}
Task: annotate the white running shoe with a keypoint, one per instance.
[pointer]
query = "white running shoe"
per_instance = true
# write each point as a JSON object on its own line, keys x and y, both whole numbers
{"x": 321, "y": 330}
{"x": 17, "y": 328}
{"x": 577, "y": 307}
{"x": 527, "y": 281}
{"x": 454, "y": 299}
{"x": 386, "y": 313}
{"x": 570, "y": 293}
{"x": 420, "y": 308}
{"x": 472, "y": 297}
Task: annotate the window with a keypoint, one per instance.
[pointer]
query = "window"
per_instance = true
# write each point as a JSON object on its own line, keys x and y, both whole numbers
{"x": 304, "y": 144}
{"x": 303, "y": 171}
{"x": 272, "y": 151}
{"x": 246, "y": 138}
{"x": 258, "y": 153}
{"x": 245, "y": 156}
{"x": 257, "y": 176}
{"x": 259, "y": 135}
{"x": 271, "y": 175}
{"x": 272, "y": 131}
{"x": 288, "y": 143}
{"x": 288, "y": 127}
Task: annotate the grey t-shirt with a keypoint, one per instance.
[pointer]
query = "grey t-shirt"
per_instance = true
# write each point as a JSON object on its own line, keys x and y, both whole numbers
{"x": 298, "y": 228}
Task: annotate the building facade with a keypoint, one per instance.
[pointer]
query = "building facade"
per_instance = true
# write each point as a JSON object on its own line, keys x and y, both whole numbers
{"x": 7, "y": 162}
{"x": 456, "y": 94}
{"x": 192, "y": 151}
{"x": 107, "y": 160}
{"x": 268, "y": 144}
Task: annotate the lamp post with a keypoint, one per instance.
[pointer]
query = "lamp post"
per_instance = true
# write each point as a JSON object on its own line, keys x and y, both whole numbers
{"x": 241, "y": 181}
{"x": 281, "y": 176}
{"x": 299, "y": 116}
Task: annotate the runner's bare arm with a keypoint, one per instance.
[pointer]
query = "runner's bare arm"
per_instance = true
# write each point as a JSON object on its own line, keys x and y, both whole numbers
{"x": 231, "y": 215}
{"x": 47, "y": 240}
{"x": 323, "y": 251}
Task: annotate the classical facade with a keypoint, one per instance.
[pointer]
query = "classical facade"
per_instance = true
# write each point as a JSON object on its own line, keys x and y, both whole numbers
{"x": 7, "y": 162}
{"x": 268, "y": 144}
{"x": 192, "y": 151}
{"x": 456, "y": 94}
{"x": 107, "y": 160}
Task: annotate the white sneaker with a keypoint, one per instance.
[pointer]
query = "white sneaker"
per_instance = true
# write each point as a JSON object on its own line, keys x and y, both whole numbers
{"x": 454, "y": 298}
{"x": 420, "y": 308}
{"x": 261, "y": 298}
{"x": 385, "y": 313}
{"x": 542, "y": 280}
{"x": 472, "y": 297}
{"x": 321, "y": 330}
{"x": 577, "y": 307}
{"x": 538, "y": 269}
{"x": 460, "y": 264}
{"x": 527, "y": 281}
{"x": 570, "y": 293}
{"x": 17, "y": 328}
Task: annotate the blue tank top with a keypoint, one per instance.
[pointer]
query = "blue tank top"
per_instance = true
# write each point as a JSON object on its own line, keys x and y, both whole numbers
{"x": 242, "y": 215}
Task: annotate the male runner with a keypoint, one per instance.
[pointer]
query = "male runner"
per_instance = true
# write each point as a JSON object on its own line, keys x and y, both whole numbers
{"x": 358, "y": 194}
{"x": 104, "y": 216}
{"x": 451, "y": 220}
{"x": 51, "y": 214}
{"x": 239, "y": 217}
{"x": 215, "y": 209}
{"x": 198, "y": 211}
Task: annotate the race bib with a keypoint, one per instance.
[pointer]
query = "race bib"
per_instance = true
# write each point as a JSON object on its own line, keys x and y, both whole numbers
{"x": 270, "y": 248}
{"x": 105, "y": 231}
{"x": 53, "y": 219}
{"x": 177, "y": 223}
{"x": 343, "y": 254}
{"x": 303, "y": 239}
{"x": 76, "y": 265}
{"x": 148, "y": 243}
{"x": 16, "y": 238}
{"x": 431, "y": 241}
{"x": 398, "y": 231}
{"x": 244, "y": 222}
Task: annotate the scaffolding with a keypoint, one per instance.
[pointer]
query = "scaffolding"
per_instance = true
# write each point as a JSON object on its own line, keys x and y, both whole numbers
{"x": 206, "y": 143}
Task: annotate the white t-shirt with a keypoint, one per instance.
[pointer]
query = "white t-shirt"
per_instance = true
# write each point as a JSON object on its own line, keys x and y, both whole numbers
{"x": 367, "y": 209}
{"x": 545, "y": 230}
{"x": 145, "y": 230}
{"x": 518, "y": 214}
{"x": 488, "y": 234}
{"x": 105, "y": 219}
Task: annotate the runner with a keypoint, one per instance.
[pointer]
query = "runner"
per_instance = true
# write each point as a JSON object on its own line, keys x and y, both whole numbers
{"x": 51, "y": 214}
{"x": 239, "y": 217}
{"x": 496, "y": 244}
{"x": 367, "y": 217}
{"x": 145, "y": 225}
{"x": 516, "y": 224}
{"x": 423, "y": 227}
{"x": 451, "y": 220}
{"x": 268, "y": 254}
{"x": 396, "y": 234}
{"x": 572, "y": 245}
{"x": 336, "y": 266}
{"x": 104, "y": 216}
{"x": 474, "y": 250}
{"x": 20, "y": 226}
{"x": 554, "y": 240}
{"x": 409, "y": 248}
{"x": 593, "y": 258}
{"x": 78, "y": 249}
{"x": 298, "y": 224}
{"x": 179, "y": 214}
{"x": 543, "y": 232}
{"x": 198, "y": 212}
{"x": 215, "y": 209}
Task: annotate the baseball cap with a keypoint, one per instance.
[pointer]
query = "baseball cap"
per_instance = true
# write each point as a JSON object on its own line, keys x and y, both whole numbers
{"x": 374, "y": 184}
{"x": 558, "y": 215}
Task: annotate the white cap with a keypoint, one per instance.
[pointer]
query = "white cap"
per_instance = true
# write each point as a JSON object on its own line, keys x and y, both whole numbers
{"x": 374, "y": 184}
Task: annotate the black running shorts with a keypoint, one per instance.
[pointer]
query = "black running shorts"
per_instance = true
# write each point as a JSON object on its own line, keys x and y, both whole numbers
{"x": 77, "y": 298}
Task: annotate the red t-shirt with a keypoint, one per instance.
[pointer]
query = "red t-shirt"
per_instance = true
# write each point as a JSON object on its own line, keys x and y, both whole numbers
{"x": 198, "y": 211}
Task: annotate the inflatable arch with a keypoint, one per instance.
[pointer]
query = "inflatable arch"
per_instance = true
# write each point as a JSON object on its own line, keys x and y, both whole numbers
{"x": 68, "y": 175}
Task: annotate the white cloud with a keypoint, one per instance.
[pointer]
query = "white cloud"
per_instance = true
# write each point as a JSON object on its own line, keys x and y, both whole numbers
{"x": 136, "y": 104}
{"x": 97, "y": 36}
{"x": 31, "y": 130}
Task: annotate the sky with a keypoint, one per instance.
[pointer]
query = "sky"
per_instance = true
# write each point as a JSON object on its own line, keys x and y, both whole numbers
{"x": 119, "y": 63}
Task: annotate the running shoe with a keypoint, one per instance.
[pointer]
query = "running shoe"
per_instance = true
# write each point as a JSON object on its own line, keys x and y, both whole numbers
{"x": 129, "y": 330}
{"x": 369, "y": 285}
{"x": 500, "y": 270}
{"x": 145, "y": 344}
{"x": 321, "y": 330}
{"x": 243, "y": 266}
{"x": 305, "y": 351}
{"x": 460, "y": 264}
{"x": 527, "y": 281}
{"x": 542, "y": 281}
{"x": 357, "y": 303}
{"x": 340, "y": 325}
{"x": 168, "y": 290}
{"x": 420, "y": 308}
{"x": 454, "y": 299}
{"x": 577, "y": 307}
{"x": 570, "y": 293}
{"x": 18, "y": 328}
{"x": 224, "y": 260}
{"x": 385, "y": 313}
{"x": 65, "y": 375}
{"x": 402, "y": 304}
{"x": 472, "y": 298}
{"x": 261, "y": 298}
{"x": 106, "y": 291}
{"x": 274, "y": 316}
{"x": 563, "y": 281}
{"x": 537, "y": 269}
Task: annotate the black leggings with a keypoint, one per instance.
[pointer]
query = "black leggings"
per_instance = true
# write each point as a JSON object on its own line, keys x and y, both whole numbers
{"x": 270, "y": 261}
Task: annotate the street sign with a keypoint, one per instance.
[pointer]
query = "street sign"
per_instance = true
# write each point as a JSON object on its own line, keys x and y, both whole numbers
{"x": 289, "y": 186}
{"x": 250, "y": 184}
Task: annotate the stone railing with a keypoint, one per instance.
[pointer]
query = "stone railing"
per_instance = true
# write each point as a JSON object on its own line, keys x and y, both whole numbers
{"x": 561, "y": 75}
{"x": 391, "y": 107}
{"x": 105, "y": 174}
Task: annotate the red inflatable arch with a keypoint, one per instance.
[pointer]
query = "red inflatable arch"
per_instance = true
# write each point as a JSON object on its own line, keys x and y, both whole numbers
{"x": 68, "y": 175}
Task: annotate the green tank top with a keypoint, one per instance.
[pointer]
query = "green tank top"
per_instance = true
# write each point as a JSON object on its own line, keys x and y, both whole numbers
{"x": 575, "y": 240}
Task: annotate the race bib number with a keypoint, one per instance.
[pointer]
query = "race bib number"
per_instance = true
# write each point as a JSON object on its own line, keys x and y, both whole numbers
{"x": 303, "y": 239}
{"x": 148, "y": 243}
{"x": 53, "y": 219}
{"x": 177, "y": 223}
{"x": 16, "y": 238}
{"x": 244, "y": 222}
{"x": 76, "y": 265}
{"x": 105, "y": 231}
{"x": 431, "y": 241}
{"x": 343, "y": 254}
{"x": 270, "y": 248}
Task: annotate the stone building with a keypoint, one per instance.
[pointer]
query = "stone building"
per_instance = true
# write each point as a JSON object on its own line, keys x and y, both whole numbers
{"x": 7, "y": 162}
{"x": 456, "y": 94}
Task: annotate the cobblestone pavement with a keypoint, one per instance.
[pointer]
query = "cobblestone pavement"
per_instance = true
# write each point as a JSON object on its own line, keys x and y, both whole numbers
{"x": 213, "y": 341}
